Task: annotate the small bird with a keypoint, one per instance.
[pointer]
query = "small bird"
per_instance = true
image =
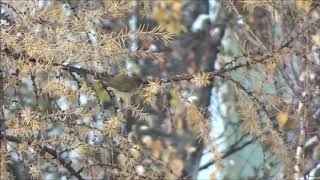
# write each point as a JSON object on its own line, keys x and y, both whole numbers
{"x": 125, "y": 83}
{"x": 124, "y": 86}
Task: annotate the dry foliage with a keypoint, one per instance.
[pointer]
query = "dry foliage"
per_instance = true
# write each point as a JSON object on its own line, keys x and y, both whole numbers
{"x": 53, "y": 60}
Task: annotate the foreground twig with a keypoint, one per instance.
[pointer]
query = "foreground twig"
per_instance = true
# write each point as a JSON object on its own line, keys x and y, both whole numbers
{"x": 50, "y": 151}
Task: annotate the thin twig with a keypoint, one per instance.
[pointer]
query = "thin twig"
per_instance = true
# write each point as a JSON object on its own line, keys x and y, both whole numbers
{"x": 50, "y": 151}
{"x": 112, "y": 97}
{"x": 254, "y": 99}
{"x": 228, "y": 153}
{"x": 35, "y": 87}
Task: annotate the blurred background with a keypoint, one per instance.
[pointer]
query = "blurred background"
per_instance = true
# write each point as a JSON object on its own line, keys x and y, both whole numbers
{"x": 205, "y": 36}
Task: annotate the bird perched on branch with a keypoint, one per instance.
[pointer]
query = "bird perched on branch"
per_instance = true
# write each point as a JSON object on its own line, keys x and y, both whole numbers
{"x": 125, "y": 83}
{"x": 123, "y": 86}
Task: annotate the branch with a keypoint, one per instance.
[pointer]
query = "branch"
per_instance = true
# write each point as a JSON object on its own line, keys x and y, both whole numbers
{"x": 253, "y": 98}
{"x": 48, "y": 150}
{"x": 112, "y": 97}
{"x": 81, "y": 71}
{"x": 35, "y": 87}
{"x": 314, "y": 166}
{"x": 221, "y": 72}
{"x": 227, "y": 153}
{"x": 9, "y": 51}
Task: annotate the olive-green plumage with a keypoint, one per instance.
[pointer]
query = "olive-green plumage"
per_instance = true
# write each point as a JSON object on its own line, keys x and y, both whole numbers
{"x": 124, "y": 87}
{"x": 125, "y": 83}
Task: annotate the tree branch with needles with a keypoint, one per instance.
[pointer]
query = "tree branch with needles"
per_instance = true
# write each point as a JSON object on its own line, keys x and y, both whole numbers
{"x": 48, "y": 150}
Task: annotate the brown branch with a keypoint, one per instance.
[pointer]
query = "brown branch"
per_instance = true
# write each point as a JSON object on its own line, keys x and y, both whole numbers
{"x": 98, "y": 75}
{"x": 9, "y": 51}
{"x": 35, "y": 87}
{"x": 48, "y": 150}
{"x": 221, "y": 73}
{"x": 81, "y": 71}
{"x": 234, "y": 60}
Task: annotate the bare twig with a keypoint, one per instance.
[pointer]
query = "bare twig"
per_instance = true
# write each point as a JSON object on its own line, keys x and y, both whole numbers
{"x": 112, "y": 97}
{"x": 259, "y": 42}
{"x": 35, "y": 87}
{"x": 254, "y": 99}
{"x": 48, "y": 150}
{"x": 228, "y": 153}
